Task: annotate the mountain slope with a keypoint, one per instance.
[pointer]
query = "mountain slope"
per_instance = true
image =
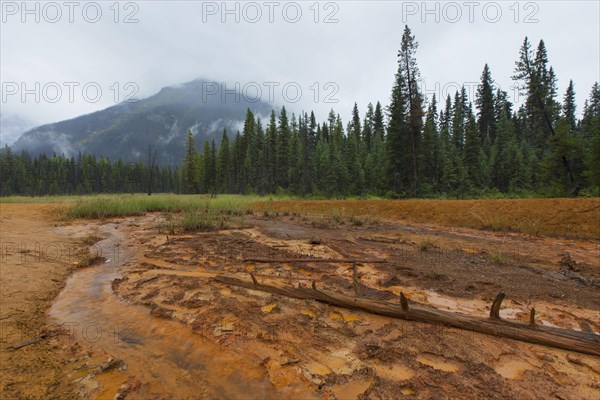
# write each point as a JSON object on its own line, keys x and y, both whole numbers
{"x": 11, "y": 126}
{"x": 128, "y": 129}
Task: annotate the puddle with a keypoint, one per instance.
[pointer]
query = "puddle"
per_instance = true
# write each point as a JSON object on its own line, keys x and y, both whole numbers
{"x": 351, "y": 390}
{"x": 336, "y": 315}
{"x": 462, "y": 306}
{"x": 316, "y": 368}
{"x": 164, "y": 355}
{"x": 511, "y": 366}
{"x": 436, "y": 300}
{"x": 396, "y": 372}
{"x": 268, "y": 308}
{"x": 338, "y": 362}
{"x": 406, "y": 391}
{"x": 437, "y": 362}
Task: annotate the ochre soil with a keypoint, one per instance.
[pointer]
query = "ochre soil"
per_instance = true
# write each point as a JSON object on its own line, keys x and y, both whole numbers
{"x": 345, "y": 354}
{"x": 572, "y": 218}
{"x": 541, "y": 253}
{"x": 37, "y": 256}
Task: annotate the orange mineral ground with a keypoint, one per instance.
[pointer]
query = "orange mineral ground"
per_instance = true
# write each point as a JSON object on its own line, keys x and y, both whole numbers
{"x": 145, "y": 319}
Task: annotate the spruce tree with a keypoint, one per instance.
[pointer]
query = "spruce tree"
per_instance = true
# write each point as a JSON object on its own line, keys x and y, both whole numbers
{"x": 485, "y": 103}
{"x": 378, "y": 123}
{"x": 222, "y": 181}
{"x": 568, "y": 107}
{"x": 283, "y": 150}
{"x": 406, "y": 121}
{"x": 431, "y": 152}
{"x": 367, "y": 133}
{"x": 473, "y": 152}
{"x": 271, "y": 153}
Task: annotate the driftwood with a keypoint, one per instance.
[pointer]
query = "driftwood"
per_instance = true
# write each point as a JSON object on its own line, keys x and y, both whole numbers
{"x": 29, "y": 342}
{"x": 495, "y": 311}
{"x": 288, "y": 277}
{"x": 315, "y": 260}
{"x": 581, "y": 342}
{"x": 143, "y": 281}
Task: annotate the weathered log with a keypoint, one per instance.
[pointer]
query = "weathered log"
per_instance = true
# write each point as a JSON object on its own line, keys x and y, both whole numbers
{"x": 28, "y": 342}
{"x": 581, "y": 342}
{"x": 288, "y": 277}
{"x": 143, "y": 281}
{"x": 495, "y": 311}
{"x": 403, "y": 302}
{"x": 315, "y": 260}
{"x": 586, "y": 327}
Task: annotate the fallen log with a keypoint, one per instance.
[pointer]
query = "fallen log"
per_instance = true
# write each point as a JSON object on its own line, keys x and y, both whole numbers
{"x": 315, "y": 260}
{"x": 582, "y": 342}
{"x": 143, "y": 281}
{"x": 288, "y": 277}
{"x": 28, "y": 342}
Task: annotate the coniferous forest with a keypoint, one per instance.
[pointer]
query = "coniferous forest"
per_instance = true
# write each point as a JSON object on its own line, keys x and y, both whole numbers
{"x": 414, "y": 147}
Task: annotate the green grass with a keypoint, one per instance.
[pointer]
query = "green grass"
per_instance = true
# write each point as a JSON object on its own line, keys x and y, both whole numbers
{"x": 40, "y": 199}
{"x": 498, "y": 258}
{"x": 108, "y": 206}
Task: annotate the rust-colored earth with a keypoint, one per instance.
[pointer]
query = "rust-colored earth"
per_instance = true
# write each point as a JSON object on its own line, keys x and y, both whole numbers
{"x": 36, "y": 258}
{"x": 570, "y": 218}
{"x": 191, "y": 337}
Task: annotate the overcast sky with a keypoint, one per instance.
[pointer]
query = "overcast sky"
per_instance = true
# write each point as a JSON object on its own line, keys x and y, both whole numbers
{"x": 342, "y": 51}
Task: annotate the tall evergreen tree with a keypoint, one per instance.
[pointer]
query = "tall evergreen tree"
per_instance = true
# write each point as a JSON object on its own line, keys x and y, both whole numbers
{"x": 569, "y": 107}
{"x": 367, "y": 134}
{"x": 431, "y": 162}
{"x": 191, "y": 182}
{"x": 485, "y": 103}
{"x": 378, "y": 123}
{"x": 473, "y": 152}
{"x": 223, "y": 160}
{"x": 406, "y": 120}
{"x": 283, "y": 150}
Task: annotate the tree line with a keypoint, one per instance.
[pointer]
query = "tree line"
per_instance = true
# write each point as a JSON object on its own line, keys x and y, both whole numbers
{"x": 21, "y": 174}
{"x": 414, "y": 147}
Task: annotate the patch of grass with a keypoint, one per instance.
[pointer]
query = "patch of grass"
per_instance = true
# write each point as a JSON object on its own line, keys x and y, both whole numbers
{"x": 337, "y": 217}
{"x": 39, "y": 199}
{"x": 491, "y": 221}
{"x": 321, "y": 223}
{"x": 356, "y": 221}
{"x": 426, "y": 245}
{"x": 90, "y": 240}
{"x": 109, "y": 206}
{"x": 530, "y": 226}
{"x": 168, "y": 225}
{"x": 88, "y": 259}
{"x": 498, "y": 258}
{"x": 192, "y": 221}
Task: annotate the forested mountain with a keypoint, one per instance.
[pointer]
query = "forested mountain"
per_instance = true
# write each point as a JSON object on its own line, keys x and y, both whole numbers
{"x": 126, "y": 130}
{"x": 414, "y": 147}
{"x": 11, "y": 127}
